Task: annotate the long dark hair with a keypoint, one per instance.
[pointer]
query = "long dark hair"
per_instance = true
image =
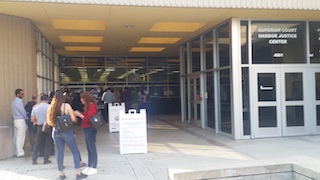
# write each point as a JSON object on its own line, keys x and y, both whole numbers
{"x": 55, "y": 108}
{"x": 88, "y": 98}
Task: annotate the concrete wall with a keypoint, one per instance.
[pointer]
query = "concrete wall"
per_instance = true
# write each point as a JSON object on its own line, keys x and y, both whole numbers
{"x": 17, "y": 69}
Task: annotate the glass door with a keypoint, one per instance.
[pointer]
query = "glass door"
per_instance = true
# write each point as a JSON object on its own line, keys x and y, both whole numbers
{"x": 266, "y": 103}
{"x": 195, "y": 100}
{"x": 315, "y": 96}
{"x": 293, "y": 102}
{"x": 278, "y": 102}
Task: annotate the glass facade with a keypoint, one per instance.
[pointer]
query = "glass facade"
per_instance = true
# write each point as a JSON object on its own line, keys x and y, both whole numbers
{"x": 159, "y": 75}
{"x": 223, "y": 33}
{"x": 195, "y": 55}
{"x": 273, "y": 96}
{"x": 47, "y": 66}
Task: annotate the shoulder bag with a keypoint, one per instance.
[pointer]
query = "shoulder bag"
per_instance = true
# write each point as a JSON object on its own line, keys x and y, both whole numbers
{"x": 64, "y": 122}
{"x": 96, "y": 121}
{"x": 46, "y": 128}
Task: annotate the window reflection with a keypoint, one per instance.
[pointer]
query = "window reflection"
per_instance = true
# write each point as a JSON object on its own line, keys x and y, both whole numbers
{"x": 314, "y": 34}
{"x": 88, "y": 72}
{"x": 208, "y": 40}
{"x": 195, "y": 57}
{"x": 224, "y": 45}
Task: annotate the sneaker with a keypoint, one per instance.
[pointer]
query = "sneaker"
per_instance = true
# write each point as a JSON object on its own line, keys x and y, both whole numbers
{"x": 86, "y": 170}
{"x": 92, "y": 171}
{"x": 81, "y": 176}
{"x": 34, "y": 162}
{"x": 62, "y": 177}
{"x": 46, "y": 162}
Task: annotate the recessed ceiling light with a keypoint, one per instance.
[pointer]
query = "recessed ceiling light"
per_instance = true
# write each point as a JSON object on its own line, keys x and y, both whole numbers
{"x": 84, "y": 39}
{"x": 147, "y": 49}
{"x": 158, "y": 40}
{"x": 120, "y": 40}
{"x": 82, "y": 48}
{"x": 176, "y": 26}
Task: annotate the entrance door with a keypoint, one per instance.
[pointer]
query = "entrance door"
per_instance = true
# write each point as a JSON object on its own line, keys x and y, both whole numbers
{"x": 315, "y": 91}
{"x": 278, "y": 102}
{"x": 195, "y": 100}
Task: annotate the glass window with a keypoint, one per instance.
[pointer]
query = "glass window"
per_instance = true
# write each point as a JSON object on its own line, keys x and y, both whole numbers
{"x": 185, "y": 59}
{"x": 90, "y": 61}
{"x": 70, "y": 74}
{"x": 295, "y": 116}
{"x": 210, "y": 100}
{"x": 75, "y": 61}
{"x": 294, "y": 86}
{"x": 224, "y": 45}
{"x": 225, "y": 101}
{"x": 208, "y": 41}
{"x": 244, "y": 42}
{"x": 245, "y": 101}
{"x": 317, "y": 86}
{"x": 278, "y": 42}
{"x": 318, "y": 115}
{"x": 268, "y": 116}
{"x": 195, "y": 55}
{"x": 93, "y": 74}
{"x": 267, "y": 87}
{"x": 117, "y": 74}
{"x": 314, "y": 34}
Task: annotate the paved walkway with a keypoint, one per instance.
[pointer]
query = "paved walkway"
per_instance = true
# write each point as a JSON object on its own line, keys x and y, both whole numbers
{"x": 175, "y": 145}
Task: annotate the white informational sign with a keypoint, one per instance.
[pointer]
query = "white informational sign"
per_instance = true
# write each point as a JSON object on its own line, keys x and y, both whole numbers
{"x": 113, "y": 113}
{"x": 133, "y": 132}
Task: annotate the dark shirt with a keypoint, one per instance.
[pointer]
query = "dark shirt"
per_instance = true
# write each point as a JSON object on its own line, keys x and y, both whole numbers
{"x": 28, "y": 108}
{"x": 125, "y": 96}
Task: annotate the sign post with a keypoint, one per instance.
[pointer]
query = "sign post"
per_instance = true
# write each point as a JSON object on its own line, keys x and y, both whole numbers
{"x": 133, "y": 132}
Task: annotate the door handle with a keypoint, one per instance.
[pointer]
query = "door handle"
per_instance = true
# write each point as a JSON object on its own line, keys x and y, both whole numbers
{"x": 267, "y": 88}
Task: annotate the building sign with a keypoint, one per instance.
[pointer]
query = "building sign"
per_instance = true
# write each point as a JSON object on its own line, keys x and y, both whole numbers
{"x": 278, "y": 35}
{"x": 278, "y": 42}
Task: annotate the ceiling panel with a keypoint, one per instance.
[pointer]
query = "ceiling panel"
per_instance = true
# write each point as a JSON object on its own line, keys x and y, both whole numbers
{"x": 118, "y": 40}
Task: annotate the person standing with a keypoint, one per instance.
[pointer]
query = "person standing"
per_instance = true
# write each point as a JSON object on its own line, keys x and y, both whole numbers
{"x": 90, "y": 109}
{"x": 134, "y": 99}
{"x": 107, "y": 97}
{"x": 117, "y": 95}
{"x": 31, "y": 128}
{"x": 20, "y": 119}
{"x": 126, "y": 98}
{"x": 57, "y": 108}
{"x": 38, "y": 117}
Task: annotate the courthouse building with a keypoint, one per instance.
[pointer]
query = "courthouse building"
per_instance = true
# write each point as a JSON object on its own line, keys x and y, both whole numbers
{"x": 242, "y": 68}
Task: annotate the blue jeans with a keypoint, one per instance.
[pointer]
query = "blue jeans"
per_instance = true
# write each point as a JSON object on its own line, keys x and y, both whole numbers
{"x": 90, "y": 136}
{"x": 62, "y": 138}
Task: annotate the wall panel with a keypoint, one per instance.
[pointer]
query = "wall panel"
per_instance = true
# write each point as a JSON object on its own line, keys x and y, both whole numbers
{"x": 18, "y": 62}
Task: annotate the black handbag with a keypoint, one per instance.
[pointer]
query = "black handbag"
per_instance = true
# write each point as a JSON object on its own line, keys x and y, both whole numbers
{"x": 64, "y": 122}
{"x": 46, "y": 128}
{"x": 96, "y": 121}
